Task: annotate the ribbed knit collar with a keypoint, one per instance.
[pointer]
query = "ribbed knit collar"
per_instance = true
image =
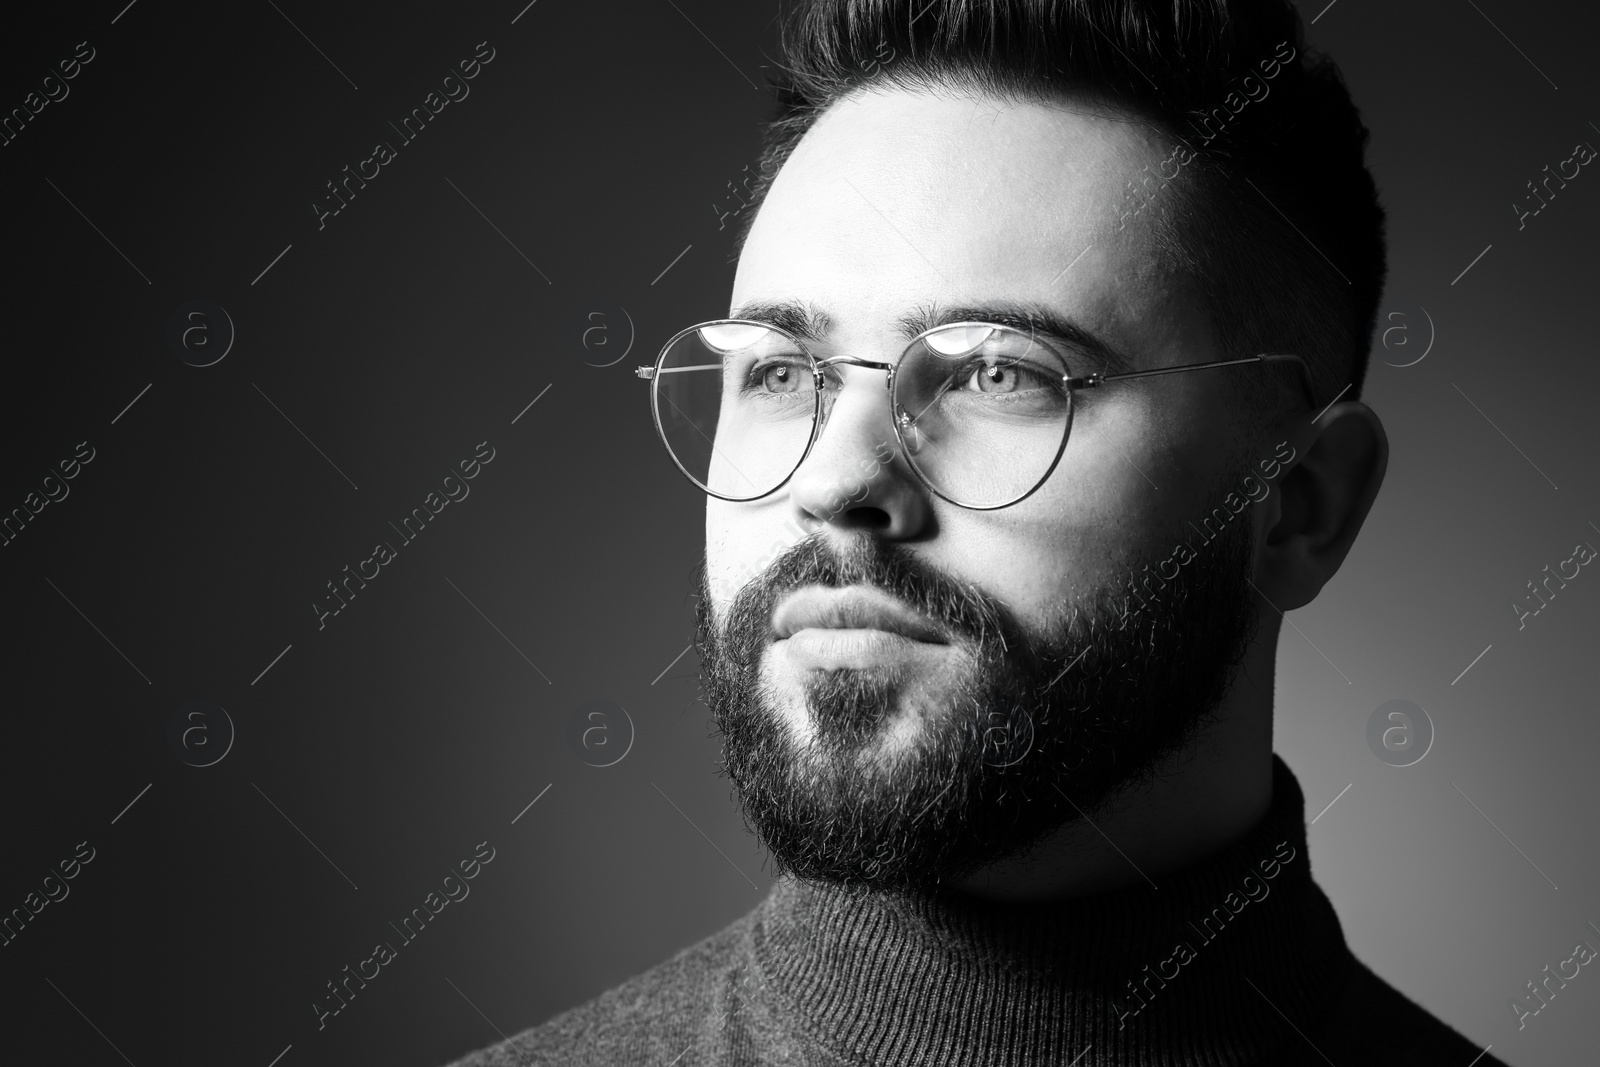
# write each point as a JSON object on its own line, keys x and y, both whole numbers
{"x": 951, "y": 979}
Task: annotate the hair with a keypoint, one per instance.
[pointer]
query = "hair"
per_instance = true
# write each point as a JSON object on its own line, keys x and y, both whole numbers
{"x": 1275, "y": 225}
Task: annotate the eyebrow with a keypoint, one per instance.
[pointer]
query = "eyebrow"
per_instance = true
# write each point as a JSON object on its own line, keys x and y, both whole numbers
{"x": 809, "y": 322}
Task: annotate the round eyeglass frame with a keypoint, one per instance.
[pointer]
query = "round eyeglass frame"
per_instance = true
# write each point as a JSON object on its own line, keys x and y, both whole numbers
{"x": 898, "y": 418}
{"x": 1297, "y": 363}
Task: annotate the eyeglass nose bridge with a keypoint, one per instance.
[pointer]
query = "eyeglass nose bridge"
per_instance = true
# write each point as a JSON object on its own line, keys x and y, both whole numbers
{"x": 857, "y": 361}
{"x": 899, "y": 421}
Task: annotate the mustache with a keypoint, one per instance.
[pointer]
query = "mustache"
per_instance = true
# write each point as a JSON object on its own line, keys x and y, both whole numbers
{"x": 964, "y": 608}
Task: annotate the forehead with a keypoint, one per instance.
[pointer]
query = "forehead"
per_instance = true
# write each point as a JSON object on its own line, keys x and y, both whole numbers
{"x": 898, "y": 197}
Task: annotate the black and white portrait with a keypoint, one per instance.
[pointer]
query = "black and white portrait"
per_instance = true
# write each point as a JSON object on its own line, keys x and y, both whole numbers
{"x": 809, "y": 532}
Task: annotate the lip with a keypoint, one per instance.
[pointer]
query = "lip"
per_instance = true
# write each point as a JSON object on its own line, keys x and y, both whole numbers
{"x": 855, "y": 607}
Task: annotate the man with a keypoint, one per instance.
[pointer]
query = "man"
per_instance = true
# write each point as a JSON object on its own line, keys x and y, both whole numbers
{"x": 992, "y": 647}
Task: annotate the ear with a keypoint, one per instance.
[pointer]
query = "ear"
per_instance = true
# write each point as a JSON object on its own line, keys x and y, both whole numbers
{"x": 1322, "y": 502}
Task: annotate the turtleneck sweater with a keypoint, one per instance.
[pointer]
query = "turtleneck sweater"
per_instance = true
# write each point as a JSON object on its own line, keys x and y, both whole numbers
{"x": 1238, "y": 960}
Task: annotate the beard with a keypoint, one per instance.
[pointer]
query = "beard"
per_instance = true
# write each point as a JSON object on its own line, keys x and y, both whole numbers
{"x": 1036, "y": 730}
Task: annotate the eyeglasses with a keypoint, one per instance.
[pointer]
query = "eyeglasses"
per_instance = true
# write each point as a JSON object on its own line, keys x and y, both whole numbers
{"x": 981, "y": 411}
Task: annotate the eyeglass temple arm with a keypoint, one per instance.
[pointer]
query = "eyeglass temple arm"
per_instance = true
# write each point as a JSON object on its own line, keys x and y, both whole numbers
{"x": 1299, "y": 364}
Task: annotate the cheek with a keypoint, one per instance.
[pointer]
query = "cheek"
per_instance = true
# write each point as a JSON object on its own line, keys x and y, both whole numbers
{"x": 1113, "y": 504}
{"x": 722, "y": 563}
{"x": 1031, "y": 559}
{"x": 742, "y": 541}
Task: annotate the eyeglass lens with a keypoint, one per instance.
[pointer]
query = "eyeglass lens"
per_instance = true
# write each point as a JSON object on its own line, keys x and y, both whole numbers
{"x": 982, "y": 411}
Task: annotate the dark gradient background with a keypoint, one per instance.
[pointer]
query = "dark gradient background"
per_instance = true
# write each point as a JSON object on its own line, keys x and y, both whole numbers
{"x": 585, "y": 173}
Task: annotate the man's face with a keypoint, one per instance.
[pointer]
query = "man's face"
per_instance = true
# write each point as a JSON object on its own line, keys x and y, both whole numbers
{"x": 865, "y": 758}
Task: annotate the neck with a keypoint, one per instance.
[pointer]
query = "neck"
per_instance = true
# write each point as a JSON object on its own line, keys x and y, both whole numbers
{"x": 1198, "y": 802}
{"x": 1143, "y": 976}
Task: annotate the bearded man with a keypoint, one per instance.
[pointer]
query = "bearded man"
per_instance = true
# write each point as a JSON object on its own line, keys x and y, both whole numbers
{"x": 1041, "y": 374}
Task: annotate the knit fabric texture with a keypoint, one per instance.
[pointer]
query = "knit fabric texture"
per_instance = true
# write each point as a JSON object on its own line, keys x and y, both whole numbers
{"x": 1239, "y": 960}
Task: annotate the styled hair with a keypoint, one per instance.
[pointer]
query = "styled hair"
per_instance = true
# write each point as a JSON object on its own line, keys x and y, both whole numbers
{"x": 1275, "y": 223}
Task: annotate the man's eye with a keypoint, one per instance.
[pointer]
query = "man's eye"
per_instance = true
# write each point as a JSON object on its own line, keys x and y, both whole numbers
{"x": 1003, "y": 378}
{"x": 778, "y": 377}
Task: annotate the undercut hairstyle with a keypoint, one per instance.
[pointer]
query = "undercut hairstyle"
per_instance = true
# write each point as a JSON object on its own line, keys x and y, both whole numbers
{"x": 1273, "y": 223}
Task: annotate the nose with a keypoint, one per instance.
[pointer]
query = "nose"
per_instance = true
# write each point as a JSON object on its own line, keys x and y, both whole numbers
{"x": 855, "y": 477}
